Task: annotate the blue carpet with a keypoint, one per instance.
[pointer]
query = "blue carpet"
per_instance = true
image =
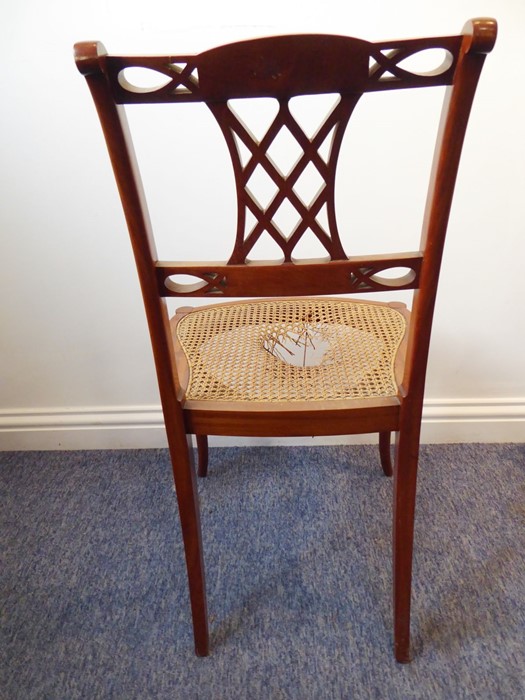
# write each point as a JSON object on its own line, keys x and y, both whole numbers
{"x": 297, "y": 550}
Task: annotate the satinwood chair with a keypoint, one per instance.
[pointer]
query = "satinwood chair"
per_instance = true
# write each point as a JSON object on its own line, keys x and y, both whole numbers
{"x": 300, "y": 359}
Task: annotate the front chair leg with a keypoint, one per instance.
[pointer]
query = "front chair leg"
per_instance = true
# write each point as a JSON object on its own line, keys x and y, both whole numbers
{"x": 405, "y": 478}
{"x": 384, "y": 453}
{"x": 202, "y": 452}
{"x": 186, "y": 488}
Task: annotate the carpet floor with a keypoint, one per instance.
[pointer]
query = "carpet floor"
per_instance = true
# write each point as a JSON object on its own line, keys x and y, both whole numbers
{"x": 297, "y": 552}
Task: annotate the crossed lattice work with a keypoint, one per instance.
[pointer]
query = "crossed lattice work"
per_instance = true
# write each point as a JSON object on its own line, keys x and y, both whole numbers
{"x": 237, "y": 133}
{"x": 280, "y": 68}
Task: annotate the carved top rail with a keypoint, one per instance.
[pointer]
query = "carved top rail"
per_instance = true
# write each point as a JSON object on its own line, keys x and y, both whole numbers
{"x": 285, "y": 66}
{"x": 282, "y": 67}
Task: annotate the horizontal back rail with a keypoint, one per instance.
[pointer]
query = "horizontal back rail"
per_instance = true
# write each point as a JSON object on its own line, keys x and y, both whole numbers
{"x": 358, "y": 274}
{"x": 282, "y": 67}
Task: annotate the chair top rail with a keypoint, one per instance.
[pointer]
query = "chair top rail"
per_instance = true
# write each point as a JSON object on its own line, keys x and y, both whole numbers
{"x": 285, "y": 66}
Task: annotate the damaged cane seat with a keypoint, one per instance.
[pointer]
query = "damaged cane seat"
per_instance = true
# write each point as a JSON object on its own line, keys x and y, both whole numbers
{"x": 290, "y": 350}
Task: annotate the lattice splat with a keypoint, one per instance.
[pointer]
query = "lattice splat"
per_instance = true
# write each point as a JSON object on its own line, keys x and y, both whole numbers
{"x": 289, "y": 200}
{"x": 286, "y": 207}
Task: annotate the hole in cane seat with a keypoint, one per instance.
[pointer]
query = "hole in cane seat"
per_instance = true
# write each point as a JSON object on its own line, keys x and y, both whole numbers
{"x": 291, "y": 350}
{"x": 306, "y": 346}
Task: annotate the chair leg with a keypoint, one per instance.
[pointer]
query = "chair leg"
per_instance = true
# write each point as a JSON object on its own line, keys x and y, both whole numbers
{"x": 384, "y": 453}
{"x": 186, "y": 488}
{"x": 202, "y": 452}
{"x": 405, "y": 479}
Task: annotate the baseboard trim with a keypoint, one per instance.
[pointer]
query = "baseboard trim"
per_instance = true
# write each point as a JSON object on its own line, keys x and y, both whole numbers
{"x": 133, "y": 427}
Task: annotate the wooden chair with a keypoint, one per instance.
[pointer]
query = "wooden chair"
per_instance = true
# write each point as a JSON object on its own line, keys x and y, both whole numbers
{"x": 241, "y": 367}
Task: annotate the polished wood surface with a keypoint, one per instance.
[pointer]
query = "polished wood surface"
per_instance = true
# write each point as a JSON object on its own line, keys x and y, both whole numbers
{"x": 357, "y": 274}
{"x": 202, "y": 452}
{"x": 283, "y": 67}
{"x": 385, "y": 452}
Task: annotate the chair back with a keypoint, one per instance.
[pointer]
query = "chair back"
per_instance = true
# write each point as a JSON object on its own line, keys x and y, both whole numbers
{"x": 282, "y": 68}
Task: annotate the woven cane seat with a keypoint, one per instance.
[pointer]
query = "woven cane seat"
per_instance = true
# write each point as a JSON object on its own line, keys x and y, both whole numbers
{"x": 291, "y": 350}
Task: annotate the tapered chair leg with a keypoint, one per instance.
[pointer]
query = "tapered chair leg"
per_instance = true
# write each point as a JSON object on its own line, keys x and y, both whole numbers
{"x": 384, "y": 453}
{"x": 187, "y": 497}
{"x": 202, "y": 454}
{"x": 405, "y": 479}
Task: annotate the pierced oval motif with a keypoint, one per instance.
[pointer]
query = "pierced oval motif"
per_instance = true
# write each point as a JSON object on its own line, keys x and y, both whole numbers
{"x": 184, "y": 284}
{"x": 394, "y": 276}
{"x": 427, "y": 62}
{"x": 140, "y": 79}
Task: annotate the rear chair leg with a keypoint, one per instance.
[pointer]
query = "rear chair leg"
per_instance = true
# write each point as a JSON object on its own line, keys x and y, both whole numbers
{"x": 202, "y": 452}
{"x": 405, "y": 479}
{"x": 384, "y": 453}
{"x": 186, "y": 488}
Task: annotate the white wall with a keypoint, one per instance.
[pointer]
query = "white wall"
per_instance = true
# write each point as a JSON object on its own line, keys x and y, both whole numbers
{"x": 76, "y": 367}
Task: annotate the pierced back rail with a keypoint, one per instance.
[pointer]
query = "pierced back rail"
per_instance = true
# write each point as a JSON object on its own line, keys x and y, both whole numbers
{"x": 284, "y": 67}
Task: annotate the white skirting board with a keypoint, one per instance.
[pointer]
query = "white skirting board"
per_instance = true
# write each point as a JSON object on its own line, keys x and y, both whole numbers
{"x": 135, "y": 427}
